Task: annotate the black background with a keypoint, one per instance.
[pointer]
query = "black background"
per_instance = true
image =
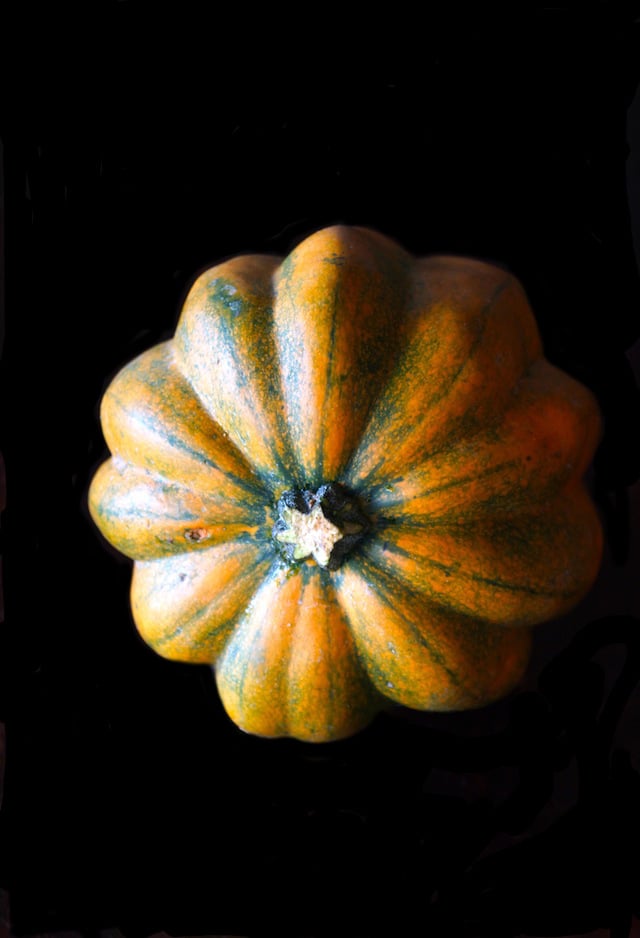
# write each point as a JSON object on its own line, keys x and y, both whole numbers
{"x": 131, "y": 801}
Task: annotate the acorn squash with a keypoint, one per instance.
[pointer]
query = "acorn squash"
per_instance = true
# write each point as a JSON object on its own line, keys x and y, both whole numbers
{"x": 350, "y": 479}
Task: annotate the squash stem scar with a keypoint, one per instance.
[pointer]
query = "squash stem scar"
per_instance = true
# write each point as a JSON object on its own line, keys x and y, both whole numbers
{"x": 323, "y": 525}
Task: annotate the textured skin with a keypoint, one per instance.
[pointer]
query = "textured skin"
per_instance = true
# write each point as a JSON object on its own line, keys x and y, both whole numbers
{"x": 421, "y": 385}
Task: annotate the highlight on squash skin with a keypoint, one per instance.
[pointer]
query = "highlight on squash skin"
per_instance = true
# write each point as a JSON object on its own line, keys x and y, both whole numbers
{"x": 419, "y": 389}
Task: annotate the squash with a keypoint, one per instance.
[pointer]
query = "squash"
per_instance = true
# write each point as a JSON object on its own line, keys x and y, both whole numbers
{"x": 350, "y": 480}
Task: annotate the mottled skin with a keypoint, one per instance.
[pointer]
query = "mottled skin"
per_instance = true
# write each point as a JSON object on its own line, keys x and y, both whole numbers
{"x": 420, "y": 385}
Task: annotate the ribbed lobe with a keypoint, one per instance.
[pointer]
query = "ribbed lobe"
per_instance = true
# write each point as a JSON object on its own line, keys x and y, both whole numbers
{"x": 423, "y": 656}
{"x": 145, "y": 516}
{"x": 339, "y": 299}
{"x": 224, "y": 344}
{"x": 517, "y": 570}
{"x": 544, "y": 439}
{"x": 152, "y": 419}
{"x": 185, "y": 607}
{"x": 290, "y": 668}
{"x": 468, "y": 337}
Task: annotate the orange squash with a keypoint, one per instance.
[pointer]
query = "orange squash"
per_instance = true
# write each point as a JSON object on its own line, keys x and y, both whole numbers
{"x": 350, "y": 478}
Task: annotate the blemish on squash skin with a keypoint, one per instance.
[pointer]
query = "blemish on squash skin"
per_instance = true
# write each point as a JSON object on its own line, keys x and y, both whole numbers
{"x": 337, "y": 259}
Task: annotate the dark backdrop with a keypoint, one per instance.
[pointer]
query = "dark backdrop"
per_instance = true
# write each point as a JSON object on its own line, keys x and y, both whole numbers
{"x": 131, "y": 801}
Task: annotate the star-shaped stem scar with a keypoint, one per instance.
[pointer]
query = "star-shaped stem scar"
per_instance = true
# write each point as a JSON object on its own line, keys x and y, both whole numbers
{"x": 312, "y": 534}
